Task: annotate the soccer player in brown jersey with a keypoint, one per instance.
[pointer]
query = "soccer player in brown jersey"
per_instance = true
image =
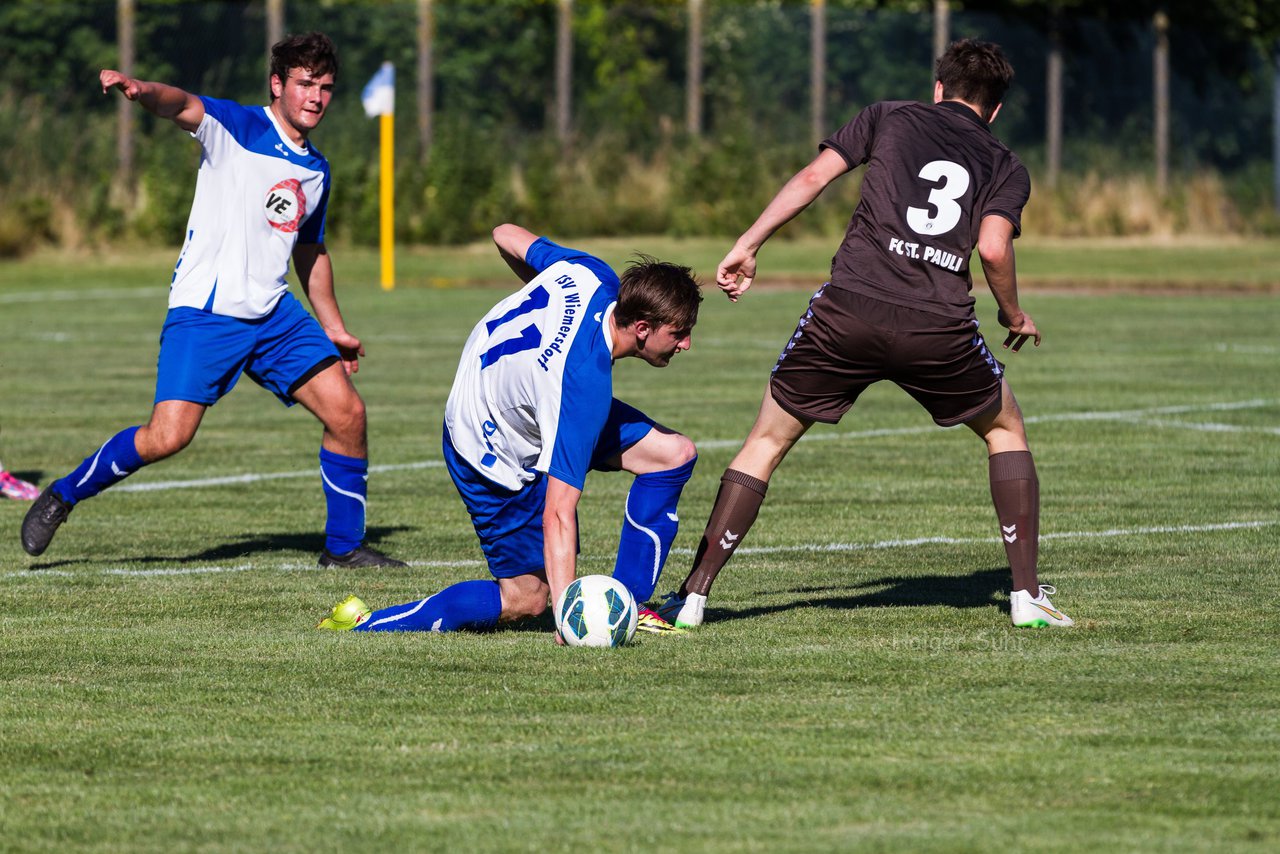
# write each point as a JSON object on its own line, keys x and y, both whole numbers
{"x": 898, "y": 307}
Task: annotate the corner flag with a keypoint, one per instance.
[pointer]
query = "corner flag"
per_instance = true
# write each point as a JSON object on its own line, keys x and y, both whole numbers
{"x": 379, "y": 96}
{"x": 379, "y": 99}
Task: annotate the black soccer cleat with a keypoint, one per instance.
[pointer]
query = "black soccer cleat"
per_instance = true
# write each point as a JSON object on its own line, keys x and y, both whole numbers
{"x": 358, "y": 558}
{"x": 42, "y": 521}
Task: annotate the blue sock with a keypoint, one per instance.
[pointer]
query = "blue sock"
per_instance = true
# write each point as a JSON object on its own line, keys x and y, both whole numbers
{"x": 346, "y": 484}
{"x": 466, "y": 605}
{"x": 648, "y": 529}
{"x": 112, "y": 463}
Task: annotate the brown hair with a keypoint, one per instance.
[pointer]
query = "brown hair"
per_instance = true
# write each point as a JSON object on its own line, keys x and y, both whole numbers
{"x": 659, "y": 292}
{"x": 975, "y": 72}
{"x": 313, "y": 51}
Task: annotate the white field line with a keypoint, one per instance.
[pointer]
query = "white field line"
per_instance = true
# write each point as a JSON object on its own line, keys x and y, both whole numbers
{"x": 249, "y": 567}
{"x": 253, "y": 478}
{"x": 1250, "y": 349}
{"x": 76, "y": 296}
{"x": 1136, "y": 416}
{"x": 1209, "y": 426}
{"x": 812, "y": 548}
{"x": 967, "y": 541}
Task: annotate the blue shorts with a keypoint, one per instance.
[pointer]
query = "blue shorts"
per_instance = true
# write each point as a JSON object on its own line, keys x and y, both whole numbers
{"x": 509, "y": 524}
{"x": 203, "y": 354}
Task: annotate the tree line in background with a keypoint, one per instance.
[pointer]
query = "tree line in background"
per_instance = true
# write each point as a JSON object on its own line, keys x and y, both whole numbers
{"x": 674, "y": 116}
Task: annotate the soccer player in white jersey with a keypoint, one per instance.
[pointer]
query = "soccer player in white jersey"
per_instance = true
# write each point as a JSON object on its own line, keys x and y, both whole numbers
{"x": 260, "y": 201}
{"x": 532, "y": 411}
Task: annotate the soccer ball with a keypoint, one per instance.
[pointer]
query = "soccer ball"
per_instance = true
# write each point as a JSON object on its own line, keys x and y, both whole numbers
{"x": 596, "y": 610}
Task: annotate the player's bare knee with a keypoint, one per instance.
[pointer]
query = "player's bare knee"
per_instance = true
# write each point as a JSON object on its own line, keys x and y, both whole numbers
{"x": 660, "y": 450}
{"x": 682, "y": 451}
{"x": 349, "y": 421}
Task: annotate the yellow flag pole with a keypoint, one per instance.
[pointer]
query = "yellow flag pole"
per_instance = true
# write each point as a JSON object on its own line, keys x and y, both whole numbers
{"x": 387, "y": 201}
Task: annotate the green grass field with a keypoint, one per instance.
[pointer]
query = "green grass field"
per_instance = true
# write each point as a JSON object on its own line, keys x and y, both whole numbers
{"x": 857, "y": 686}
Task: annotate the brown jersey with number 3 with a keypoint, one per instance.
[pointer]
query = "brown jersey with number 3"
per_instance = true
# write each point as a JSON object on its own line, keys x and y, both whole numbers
{"x": 934, "y": 171}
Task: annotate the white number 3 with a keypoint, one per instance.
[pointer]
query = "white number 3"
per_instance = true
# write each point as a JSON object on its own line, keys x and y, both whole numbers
{"x": 955, "y": 181}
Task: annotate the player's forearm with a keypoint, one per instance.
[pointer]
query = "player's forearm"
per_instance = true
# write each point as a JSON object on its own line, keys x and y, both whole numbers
{"x": 315, "y": 277}
{"x": 796, "y": 195}
{"x": 162, "y": 99}
{"x": 168, "y": 102}
{"x": 1002, "y": 279}
{"x": 513, "y": 243}
{"x": 560, "y": 535}
{"x": 995, "y": 249}
{"x": 560, "y": 553}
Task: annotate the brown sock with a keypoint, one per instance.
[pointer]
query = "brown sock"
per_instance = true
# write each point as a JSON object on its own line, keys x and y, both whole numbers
{"x": 1015, "y": 490}
{"x": 737, "y": 504}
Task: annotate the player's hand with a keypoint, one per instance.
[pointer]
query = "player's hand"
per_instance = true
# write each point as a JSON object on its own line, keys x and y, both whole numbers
{"x": 109, "y": 78}
{"x": 559, "y": 638}
{"x": 349, "y": 348}
{"x": 736, "y": 273}
{"x": 1021, "y": 327}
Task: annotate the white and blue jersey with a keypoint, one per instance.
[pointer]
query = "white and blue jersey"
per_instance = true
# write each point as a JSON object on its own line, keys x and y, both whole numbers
{"x": 534, "y": 386}
{"x": 257, "y": 195}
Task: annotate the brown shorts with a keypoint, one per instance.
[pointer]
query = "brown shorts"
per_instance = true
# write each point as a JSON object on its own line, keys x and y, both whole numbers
{"x": 846, "y": 341}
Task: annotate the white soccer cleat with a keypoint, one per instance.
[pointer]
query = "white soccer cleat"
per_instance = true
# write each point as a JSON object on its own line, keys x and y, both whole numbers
{"x": 683, "y": 612}
{"x": 1036, "y": 612}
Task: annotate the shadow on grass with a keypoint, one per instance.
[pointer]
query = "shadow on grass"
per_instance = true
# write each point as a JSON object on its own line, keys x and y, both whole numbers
{"x": 309, "y": 544}
{"x": 983, "y": 589}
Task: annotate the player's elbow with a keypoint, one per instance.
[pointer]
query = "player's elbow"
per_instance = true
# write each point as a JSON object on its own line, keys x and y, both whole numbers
{"x": 812, "y": 181}
{"x": 505, "y": 233}
{"x": 995, "y": 252}
{"x": 995, "y": 242}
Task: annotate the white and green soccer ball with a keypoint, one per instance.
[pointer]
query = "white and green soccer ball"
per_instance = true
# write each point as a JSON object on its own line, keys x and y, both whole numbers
{"x": 596, "y": 610}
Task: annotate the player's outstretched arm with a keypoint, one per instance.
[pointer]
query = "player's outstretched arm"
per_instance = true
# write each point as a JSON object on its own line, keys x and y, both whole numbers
{"x": 995, "y": 249}
{"x": 738, "y": 269}
{"x": 167, "y": 102}
{"x": 513, "y": 242}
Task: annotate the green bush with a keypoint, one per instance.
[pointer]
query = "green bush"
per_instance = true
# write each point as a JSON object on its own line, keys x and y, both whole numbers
{"x": 25, "y": 224}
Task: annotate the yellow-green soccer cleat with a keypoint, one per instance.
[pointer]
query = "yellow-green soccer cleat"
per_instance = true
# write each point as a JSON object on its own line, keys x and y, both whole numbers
{"x": 648, "y": 621}
{"x": 347, "y": 614}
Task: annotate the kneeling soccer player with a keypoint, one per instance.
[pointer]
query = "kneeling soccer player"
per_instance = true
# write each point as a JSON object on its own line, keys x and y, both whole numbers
{"x": 532, "y": 411}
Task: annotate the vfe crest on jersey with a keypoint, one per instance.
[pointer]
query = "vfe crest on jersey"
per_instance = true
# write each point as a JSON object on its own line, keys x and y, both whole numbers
{"x": 285, "y": 205}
